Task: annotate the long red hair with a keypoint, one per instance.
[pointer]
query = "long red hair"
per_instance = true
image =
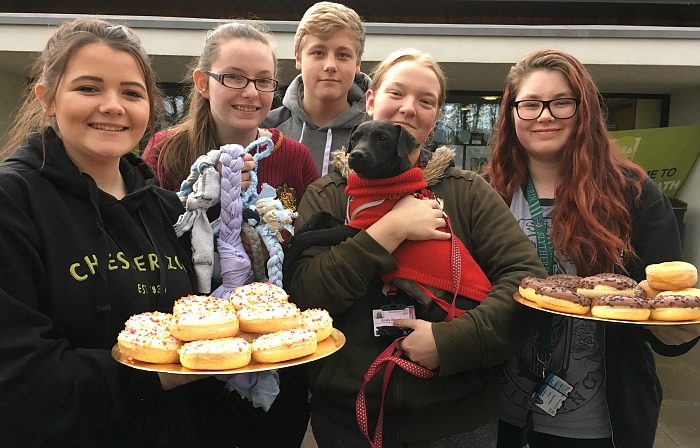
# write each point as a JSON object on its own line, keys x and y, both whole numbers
{"x": 596, "y": 185}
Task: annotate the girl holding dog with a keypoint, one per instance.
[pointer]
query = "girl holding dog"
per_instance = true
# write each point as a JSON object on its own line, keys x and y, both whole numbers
{"x": 604, "y": 215}
{"x": 457, "y": 404}
{"x": 233, "y": 87}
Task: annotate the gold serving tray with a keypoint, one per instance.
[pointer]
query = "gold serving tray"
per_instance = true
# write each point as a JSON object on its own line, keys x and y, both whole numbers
{"x": 531, "y": 304}
{"x": 328, "y": 346}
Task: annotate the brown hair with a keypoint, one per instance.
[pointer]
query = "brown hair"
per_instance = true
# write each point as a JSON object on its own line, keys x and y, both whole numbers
{"x": 413, "y": 55}
{"x": 196, "y": 134}
{"x": 50, "y": 66}
{"x": 323, "y": 19}
{"x": 591, "y": 221}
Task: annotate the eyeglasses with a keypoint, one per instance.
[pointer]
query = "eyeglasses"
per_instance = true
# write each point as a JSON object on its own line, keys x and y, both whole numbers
{"x": 233, "y": 81}
{"x": 559, "y": 108}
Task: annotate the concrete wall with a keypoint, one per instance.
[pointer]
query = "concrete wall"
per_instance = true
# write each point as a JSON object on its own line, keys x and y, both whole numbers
{"x": 685, "y": 111}
{"x": 11, "y": 86}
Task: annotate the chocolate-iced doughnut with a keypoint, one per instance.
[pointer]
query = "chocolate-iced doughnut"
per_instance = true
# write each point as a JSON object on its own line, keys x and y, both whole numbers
{"x": 681, "y": 292}
{"x": 568, "y": 281}
{"x": 674, "y": 308}
{"x": 615, "y": 306}
{"x": 559, "y": 298}
{"x": 528, "y": 285}
{"x": 608, "y": 283}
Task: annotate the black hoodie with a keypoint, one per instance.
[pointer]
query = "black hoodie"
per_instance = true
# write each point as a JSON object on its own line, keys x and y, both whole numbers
{"x": 76, "y": 263}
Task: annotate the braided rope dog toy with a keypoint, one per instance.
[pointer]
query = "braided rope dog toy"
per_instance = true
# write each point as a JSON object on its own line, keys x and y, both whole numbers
{"x": 274, "y": 218}
{"x": 197, "y": 193}
{"x": 235, "y": 264}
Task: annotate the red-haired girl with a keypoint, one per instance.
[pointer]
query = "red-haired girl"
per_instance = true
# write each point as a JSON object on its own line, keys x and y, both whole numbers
{"x": 601, "y": 213}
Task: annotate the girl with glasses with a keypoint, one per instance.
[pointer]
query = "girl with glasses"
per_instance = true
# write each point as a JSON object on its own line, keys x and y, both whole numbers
{"x": 601, "y": 213}
{"x": 233, "y": 84}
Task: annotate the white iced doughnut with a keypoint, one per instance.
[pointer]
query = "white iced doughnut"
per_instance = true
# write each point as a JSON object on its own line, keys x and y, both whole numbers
{"x": 257, "y": 292}
{"x": 284, "y": 345}
{"x": 269, "y": 317}
{"x": 204, "y": 318}
{"x": 319, "y": 321}
{"x": 155, "y": 345}
{"x": 215, "y": 354}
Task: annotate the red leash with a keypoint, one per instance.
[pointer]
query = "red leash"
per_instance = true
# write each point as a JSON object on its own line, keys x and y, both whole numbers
{"x": 391, "y": 356}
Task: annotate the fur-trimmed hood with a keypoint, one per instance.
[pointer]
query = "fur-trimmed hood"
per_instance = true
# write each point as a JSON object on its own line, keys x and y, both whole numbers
{"x": 438, "y": 162}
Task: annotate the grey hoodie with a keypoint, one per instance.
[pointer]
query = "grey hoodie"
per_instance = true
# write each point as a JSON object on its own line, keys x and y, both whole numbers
{"x": 292, "y": 121}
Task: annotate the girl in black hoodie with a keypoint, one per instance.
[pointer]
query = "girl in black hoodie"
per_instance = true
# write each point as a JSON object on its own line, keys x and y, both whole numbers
{"x": 86, "y": 240}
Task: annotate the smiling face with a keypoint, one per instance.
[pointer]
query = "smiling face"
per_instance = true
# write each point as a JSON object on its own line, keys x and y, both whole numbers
{"x": 545, "y": 137}
{"x": 237, "y": 113}
{"x": 408, "y": 95}
{"x": 101, "y": 105}
{"x": 328, "y": 66}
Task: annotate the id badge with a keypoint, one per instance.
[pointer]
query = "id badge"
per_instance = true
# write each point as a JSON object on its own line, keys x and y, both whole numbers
{"x": 387, "y": 314}
{"x": 552, "y": 394}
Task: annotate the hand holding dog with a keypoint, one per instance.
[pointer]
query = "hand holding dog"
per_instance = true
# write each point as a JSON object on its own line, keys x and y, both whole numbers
{"x": 420, "y": 219}
{"x": 420, "y": 345}
{"x": 410, "y": 219}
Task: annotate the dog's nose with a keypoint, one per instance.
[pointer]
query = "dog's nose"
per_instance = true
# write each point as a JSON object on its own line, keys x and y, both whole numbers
{"x": 357, "y": 155}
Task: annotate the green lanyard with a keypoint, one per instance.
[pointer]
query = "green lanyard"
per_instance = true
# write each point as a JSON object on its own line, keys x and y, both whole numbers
{"x": 545, "y": 250}
{"x": 544, "y": 245}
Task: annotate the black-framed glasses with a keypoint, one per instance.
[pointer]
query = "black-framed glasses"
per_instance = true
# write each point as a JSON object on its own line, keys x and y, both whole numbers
{"x": 559, "y": 108}
{"x": 234, "y": 81}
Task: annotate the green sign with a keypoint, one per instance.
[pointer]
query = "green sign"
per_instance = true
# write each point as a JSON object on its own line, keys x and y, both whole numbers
{"x": 667, "y": 154}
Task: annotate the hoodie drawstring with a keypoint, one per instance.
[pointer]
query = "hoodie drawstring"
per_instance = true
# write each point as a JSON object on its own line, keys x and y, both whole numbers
{"x": 327, "y": 152}
{"x": 102, "y": 303}
{"x": 303, "y": 129}
{"x": 154, "y": 245}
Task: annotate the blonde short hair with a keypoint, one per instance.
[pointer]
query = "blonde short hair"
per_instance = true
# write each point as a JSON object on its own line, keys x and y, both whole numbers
{"x": 324, "y": 18}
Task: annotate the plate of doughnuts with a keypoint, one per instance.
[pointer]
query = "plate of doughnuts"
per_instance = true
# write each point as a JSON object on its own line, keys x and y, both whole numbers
{"x": 254, "y": 329}
{"x": 327, "y": 347}
{"x": 665, "y": 297}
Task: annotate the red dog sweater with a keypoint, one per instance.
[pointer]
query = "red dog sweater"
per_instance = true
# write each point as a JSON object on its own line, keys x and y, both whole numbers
{"x": 370, "y": 199}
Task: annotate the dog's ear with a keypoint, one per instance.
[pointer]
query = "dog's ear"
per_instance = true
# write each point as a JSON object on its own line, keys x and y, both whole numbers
{"x": 406, "y": 142}
{"x": 348, "y": 148}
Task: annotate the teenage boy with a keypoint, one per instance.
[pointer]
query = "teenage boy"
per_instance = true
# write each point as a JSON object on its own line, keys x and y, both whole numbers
{"x": 327, "y": 99}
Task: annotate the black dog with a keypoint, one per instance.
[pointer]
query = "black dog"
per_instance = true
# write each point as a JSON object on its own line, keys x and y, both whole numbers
{"x": 377, "y": 149}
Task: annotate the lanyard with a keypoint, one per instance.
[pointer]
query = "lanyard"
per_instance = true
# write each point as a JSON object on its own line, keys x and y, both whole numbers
{"x": 545, "y": 250}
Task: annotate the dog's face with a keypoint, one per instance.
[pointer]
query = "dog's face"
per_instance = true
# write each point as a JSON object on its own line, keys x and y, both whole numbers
{"x": 379, "y": 149}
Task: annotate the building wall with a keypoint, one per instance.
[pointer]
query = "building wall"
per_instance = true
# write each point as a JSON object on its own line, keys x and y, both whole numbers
{"x": 685, "y": 111}
{"x": 9, "y": 100}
